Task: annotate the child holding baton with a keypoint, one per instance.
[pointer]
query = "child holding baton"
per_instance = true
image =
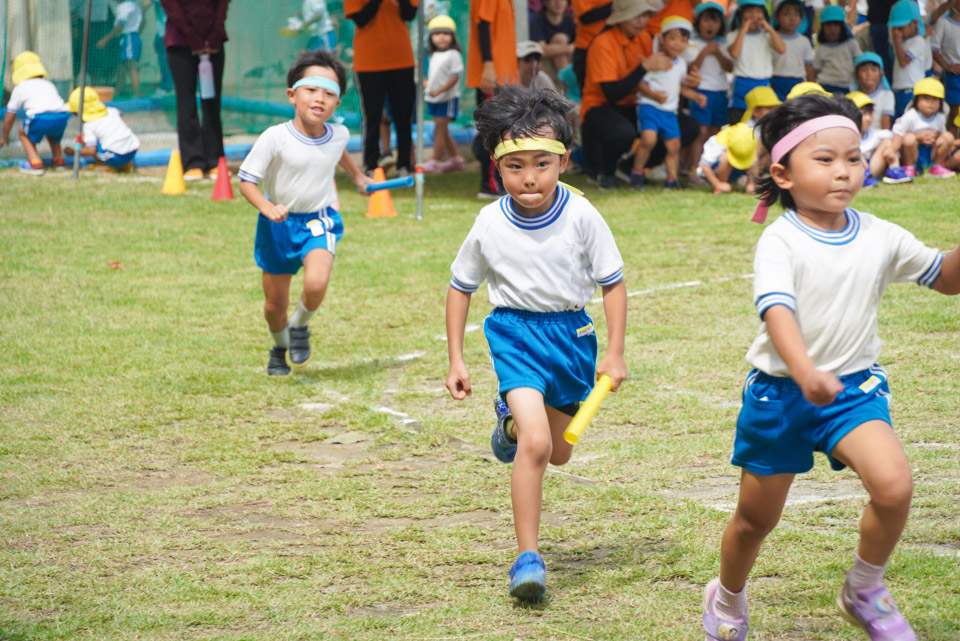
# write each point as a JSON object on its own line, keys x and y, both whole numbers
{"x": 542, "y": 249}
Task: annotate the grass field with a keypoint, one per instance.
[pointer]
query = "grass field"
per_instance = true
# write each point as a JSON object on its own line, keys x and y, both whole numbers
{"x": 156, "y": 484}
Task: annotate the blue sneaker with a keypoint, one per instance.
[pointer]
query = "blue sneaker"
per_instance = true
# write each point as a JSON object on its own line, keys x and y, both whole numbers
{"x": 28, "y": 169}
{"x": 868, "y": 180}
{"x": 504, "y": 447}
{"x": 896, "y": 175}
{"x": 528, "y": 578}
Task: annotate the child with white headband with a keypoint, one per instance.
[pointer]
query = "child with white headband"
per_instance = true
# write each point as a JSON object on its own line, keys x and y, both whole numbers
{"x": 821, "y": 269}
{"x": 298, "y": 226}
{"x": 542, "y": 249}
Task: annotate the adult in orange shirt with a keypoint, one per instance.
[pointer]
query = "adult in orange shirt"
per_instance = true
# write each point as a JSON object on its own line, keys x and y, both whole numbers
{"x": 617, "y": 61}
{"x": 591, "y": 18}
{"x": 491, "y": 62}
{"x": 383, "y": 64}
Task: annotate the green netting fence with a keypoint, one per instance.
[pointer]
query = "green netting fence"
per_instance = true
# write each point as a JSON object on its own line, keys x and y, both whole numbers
{"x": 263, "y": 42}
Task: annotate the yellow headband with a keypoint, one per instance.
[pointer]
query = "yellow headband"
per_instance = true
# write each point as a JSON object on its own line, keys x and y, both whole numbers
{"x": 528, "y": 144}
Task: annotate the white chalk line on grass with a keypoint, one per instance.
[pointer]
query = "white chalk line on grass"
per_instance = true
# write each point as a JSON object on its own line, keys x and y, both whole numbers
{"x": 692, "y": 283}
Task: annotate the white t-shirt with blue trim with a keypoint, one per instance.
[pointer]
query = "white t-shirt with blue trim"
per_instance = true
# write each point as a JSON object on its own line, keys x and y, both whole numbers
{"x": 756, "y": 55}
{"x": 833, "y": 282}
{"x": 946, "y": 39}
{"x": 913, "y": 122}
{"x": 712, "y": 75}
{"x": 793, "y": 62}
{"x": 918, "y": 51}
{"x": 547, "y": 263}
{"x": 294, "y": 169}
{"x": 35, "y": 96}
{"x": 669, "y": 82}
{"x": 443, "y": 66}
{"x": 884, "y": 104}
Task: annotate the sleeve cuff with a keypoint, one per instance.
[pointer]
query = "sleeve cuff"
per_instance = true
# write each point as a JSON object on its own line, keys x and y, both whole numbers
{"x": 612, "y": 279}
{"x": 248, "y": 177}
{"x": 767, "y": 301}
{"x": 466, "y": 289}
{"x": 929, "y": 277}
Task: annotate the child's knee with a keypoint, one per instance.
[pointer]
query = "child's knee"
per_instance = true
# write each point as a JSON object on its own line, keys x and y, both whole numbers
{"x": 755, "y": 525}
{"x": 648, "y": 138}
{"x": 536, "y": 445}
{"x": 909, "y": 140}
{"x": 894, "y": 490}
{"x": 561, "y": 455}
{"x": 672, "y": 145}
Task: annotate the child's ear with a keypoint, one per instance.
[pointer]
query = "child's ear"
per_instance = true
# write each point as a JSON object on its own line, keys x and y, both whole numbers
{"x": 290, "y": 94}
{"x": 781, "y": 176}
{"x": 564, "y": 159}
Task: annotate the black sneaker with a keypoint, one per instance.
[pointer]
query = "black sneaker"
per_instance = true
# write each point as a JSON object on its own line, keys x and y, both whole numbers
{"x": 278, "y": 362}
{"x": 638, "y": 182}
{"x": 299, "y": 345}
{"x": 607, "y": 183}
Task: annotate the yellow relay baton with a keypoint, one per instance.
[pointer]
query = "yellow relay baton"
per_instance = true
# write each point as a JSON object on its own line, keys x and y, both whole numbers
{"x": 578, "y": 424}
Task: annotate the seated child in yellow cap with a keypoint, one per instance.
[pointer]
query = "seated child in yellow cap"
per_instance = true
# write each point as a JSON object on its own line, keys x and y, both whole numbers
{"x": 876, "y": 145}
{"x": 920, "y": 134}
{"x": 727, "y": 155}
{"x": 46, "y": 114}
{"x": 106, "y": 136}
{"x": 660, "y": 93}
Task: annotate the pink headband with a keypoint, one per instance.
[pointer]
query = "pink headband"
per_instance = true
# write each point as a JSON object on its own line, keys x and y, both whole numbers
{"x": 794, "y": 138}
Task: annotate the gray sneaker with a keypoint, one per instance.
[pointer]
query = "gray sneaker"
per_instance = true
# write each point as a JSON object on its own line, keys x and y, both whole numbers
{"x": 278, "y": 362}
{"x": 299, "y": 345}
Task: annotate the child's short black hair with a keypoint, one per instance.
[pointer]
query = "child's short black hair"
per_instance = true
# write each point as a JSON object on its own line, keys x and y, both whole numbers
{"x": 454, "y": 44}
{"x": 844, "y": 33}
{"x": 794, "y": 3}
{"x": 787, "y": 117}
{"x": 318, "y": 58}
{"x": 523, "y": 113}
{"x": 716, "y": 14}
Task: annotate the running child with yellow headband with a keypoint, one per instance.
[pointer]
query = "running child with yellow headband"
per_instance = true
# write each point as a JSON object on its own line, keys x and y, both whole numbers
{"x": 294, "y": 163}
{"x": 542, "y": 249}
{"x": 821, "y": 269}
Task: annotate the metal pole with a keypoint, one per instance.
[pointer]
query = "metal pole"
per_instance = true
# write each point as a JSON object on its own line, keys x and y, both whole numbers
{"x": 78, "y": 144}
{"x": 418, "y": 171}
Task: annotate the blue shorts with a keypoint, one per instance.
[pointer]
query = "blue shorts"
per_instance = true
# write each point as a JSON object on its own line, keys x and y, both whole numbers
{"x": 782, "y": 85}
{"x": 553, "y": 352}
{"x": 951, "y": 84}
{"x": 47, "y": 123}
{"x": 449, "y": 109}
{"x": 836, "y": 89}
{"x": 902, "y": 98}
{"x": 114, "y": 160}
{"x": 715, "y": 113}
{"x": 663, "y": 122}
{"x": 778, "y": 430}
{"x": 732, "y": 178}
{"x": 130, "y": 47}
{"x": 741, "y": 87}
{"x": 280, "y": 247}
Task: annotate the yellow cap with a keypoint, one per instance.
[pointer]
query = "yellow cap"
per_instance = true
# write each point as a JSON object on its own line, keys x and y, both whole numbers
{"x": 860, "y": 99}
{"x": 929, "y": 87}
{"x": 445, "y": 23}
{"x": 741, "y": 145}
{"x": 93, "y": 108}
{"x": 27, "y": 65}
{"x": 759, "y": 97}
{"x": 804, "y": 88}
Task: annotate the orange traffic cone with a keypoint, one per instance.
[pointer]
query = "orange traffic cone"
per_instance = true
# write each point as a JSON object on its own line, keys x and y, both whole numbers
{"x": 381, "y": 205}
{"x": 222, "y": 189}
{"x": 173, "y": 182}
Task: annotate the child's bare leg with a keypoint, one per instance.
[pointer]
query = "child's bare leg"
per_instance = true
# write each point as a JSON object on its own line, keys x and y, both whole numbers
{"x": 648, "y": 140}
{"x": 276, "y": 291}
{"x": 697, "y": 147}
{"x": 441, "y": 132}
{"x": 452, "y": 151}
{"x": 758, "y": 511}
{"x": 942, "y": 148}
{"x": 55, "y": 148}
{"x": 539, "y": 432}
{"x": 873, "y": 451}
{"x": 672, "y": 160}
{"x": 908, "y": 149}
{"x": 134, "y": 77}
{"x": 882, "y": 158}
{"x": 32, "y": 154}
{"x": 317, "y": 265}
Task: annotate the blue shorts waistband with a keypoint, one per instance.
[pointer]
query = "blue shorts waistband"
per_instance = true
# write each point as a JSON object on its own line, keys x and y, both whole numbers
{"x": 326, "y": 211}
{"x": 542, "y": 317}
{"x": 785, "y": 382}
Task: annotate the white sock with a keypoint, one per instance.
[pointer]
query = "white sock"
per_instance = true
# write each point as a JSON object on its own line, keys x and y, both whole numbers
{"x": 282, "y": 338}
{"x": 862, "y": 576}
{"x": 301, "y": 316}
{"x": 730, "y": 605}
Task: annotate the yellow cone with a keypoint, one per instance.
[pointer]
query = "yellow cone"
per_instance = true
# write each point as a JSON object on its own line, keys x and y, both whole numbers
{"x": 173, "y": 183}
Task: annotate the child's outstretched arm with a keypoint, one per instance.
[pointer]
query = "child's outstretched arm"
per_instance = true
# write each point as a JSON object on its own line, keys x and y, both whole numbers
{"x": 615, "y": 310}
{"x": 359, "y": 178}
{"x": 276, "y": 212}
{"x": 458, "y": 305}
{"x": 949, "y": 280}
{"x": 820, "y": 388}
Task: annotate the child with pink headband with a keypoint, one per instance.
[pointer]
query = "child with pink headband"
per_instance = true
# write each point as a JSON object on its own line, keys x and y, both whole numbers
{"x": 821, "y": 269}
